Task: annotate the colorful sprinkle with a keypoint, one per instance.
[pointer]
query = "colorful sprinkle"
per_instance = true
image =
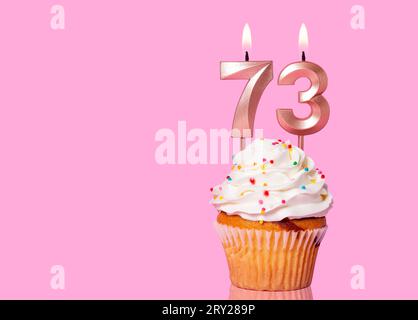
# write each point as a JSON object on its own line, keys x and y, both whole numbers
{"x": 239, "y": 167}
{"x": 265, "y": 184}
{"x": 264, "y": 159}
{"x": 306, "y": 169}
{"x": 229, "y": 178}
{"x": 260, "y": 201}
{"x": 252, "y": 180}
{"x": 289, "y": 146}
{"x": 271, "y": 161}
{"x": 214, "y": 197}
{"x": 283, "y": 201}
{"x": 254, "y": 163}
{"x": 263, "y": 166}
{"x": 274, "y": 143}
{"x": 323, "y": 176}
{"x": 303, "y": 187}
{"x": 221, "y": 198}
{"x": 263, "y": 210}
{"x": 211, "y": 189}
{"x": 295, "y": 163}
{"x": 266, "y": 193}
{"x": 261, "y": 221}
{"x": 313, "y": 181}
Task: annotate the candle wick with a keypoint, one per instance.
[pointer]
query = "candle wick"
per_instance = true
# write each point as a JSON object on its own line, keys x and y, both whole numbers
{"x": 247, "y": 57}
{"x": 303, "y": 56}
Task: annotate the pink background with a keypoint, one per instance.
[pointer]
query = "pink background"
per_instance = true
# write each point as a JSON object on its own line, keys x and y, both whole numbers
{"x": 79, "y": 109}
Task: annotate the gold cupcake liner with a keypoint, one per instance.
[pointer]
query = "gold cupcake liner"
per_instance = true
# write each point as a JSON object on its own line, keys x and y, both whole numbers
{"x": 270, "y": 260}
{"x": 236, "y": 293}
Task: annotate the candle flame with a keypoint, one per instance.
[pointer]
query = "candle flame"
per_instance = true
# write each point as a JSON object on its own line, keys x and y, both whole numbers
{"x": 303, "y": 38}
{"x": 246, "y": 38}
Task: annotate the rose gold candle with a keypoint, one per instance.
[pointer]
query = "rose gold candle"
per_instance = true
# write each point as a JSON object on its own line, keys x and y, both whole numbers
{"x": 319, "y": 115}
{"x": 258, "y": 74}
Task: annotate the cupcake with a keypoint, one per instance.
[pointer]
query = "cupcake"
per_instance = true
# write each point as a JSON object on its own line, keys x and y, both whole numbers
{"x": 271, "y": 219}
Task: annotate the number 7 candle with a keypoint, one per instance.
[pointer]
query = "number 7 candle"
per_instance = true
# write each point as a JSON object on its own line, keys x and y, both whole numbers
{"x": 258, "y": 74}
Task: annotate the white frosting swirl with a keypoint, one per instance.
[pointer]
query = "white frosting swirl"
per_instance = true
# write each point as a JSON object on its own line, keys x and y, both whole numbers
{"x": 272, "y": 180}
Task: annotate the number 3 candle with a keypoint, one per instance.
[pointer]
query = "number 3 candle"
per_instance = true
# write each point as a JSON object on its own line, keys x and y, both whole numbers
{"x": 319, "y": 115}
{"x": 258, "y": 74}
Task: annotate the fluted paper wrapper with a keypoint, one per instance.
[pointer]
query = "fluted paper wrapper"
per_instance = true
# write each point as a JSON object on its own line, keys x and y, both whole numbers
{"x": 270, "y": 260}
{"x": 236, "y": 293}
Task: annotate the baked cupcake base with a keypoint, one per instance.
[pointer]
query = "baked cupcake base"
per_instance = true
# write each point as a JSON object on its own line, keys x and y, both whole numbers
{"x": 271, "y": 256}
